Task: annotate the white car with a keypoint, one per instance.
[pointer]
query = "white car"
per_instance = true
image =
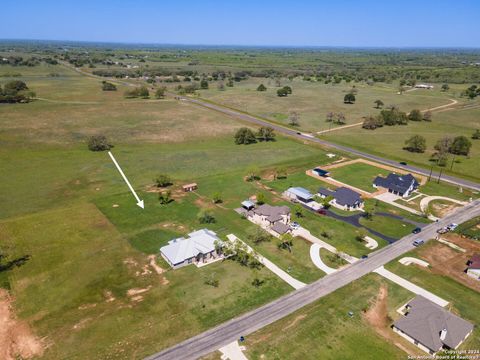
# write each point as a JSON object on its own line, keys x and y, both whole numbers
{"x": 294, "y": 225}
{"x": 452, "y": 226}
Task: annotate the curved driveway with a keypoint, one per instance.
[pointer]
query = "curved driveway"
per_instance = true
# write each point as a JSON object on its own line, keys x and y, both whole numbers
{"x": 317, "y": 260}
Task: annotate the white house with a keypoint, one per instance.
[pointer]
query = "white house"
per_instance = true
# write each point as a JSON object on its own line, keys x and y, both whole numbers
{"x": 198, "y": 248}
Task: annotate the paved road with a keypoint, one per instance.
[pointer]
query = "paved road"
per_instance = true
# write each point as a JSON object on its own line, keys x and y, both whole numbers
{"x": 256, "y": 319}
{"x": 307, "y": 137}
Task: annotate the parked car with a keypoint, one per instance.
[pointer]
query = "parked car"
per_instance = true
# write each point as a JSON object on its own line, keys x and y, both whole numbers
{"x": 402, "y": 163}
{"x": 416, "y": 230}
{"x": 418, "y": 242}
{"x": 322, "y": 211}
{"x": 452, "y": 226}
{"x": 294, "y": 225}
{"x": 364, "y": 256}
{"x": 442, "y": 231}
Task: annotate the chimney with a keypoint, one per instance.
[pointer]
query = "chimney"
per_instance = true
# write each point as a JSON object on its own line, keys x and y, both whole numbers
{"x": 443, "y": 334}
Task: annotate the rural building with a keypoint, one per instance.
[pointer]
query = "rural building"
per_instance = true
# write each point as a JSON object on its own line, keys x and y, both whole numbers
{"x": 299, "y": 194}
{"x": 343, "y": 198}
{"x": 431, "y": 327}
{"x": 321, "y": 172}
{"x": 401, "y": 185}
{"x": 473, "y": 268}
{"x": 198, "y": 248}
{"x": 276, "y": 218}
{"x": 424, "y": 86}
{"x": 190, "y": 187}
{"x": 248, "y": 205}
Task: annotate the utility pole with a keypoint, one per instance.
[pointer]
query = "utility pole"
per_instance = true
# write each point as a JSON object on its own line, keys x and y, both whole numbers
{"x": 453, "y": 159}
{"x": 430, "y": 175}
{"x": 440, "y": 175}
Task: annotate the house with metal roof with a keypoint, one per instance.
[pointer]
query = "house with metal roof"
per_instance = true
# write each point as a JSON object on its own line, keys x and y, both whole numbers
{"x": 343, "y": 198}
{"x": 401, "y": 185}
{"x": 473, "y": 268}
{"x": 198, "y": 248}
{"x": 431, "y": 327}
{"x": 298, "y": 194}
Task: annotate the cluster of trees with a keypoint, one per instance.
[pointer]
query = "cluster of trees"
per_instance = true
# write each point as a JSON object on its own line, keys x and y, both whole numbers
{"x": 245, "y": 136}
{"x": 284, "y": 91}
{"x": 472, "y": 92}
{"x": 336, "y": 118}
{"x": 15, "y": 91}
{"x": 393, "y": 116}
{"x": 238, "y": 251}
{"x": 139, "y": 92}
{"x": 99, "y": 143}
{"x": 459, "y": 145}
{"x": 417, "y": 115}
{"x": 108, "y": 86}
{"x": 31, "y": 61}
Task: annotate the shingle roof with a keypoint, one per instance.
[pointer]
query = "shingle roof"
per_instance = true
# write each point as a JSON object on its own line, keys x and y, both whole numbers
{"x": 271, "y": 211}
{"x": 343, "y": 195}
{"x": 280, "y": 227}
{"x": 399, "y": 183}
{"x": 474, "y": 262}
{"x": 198, "y": 242}
{"x": 325, "y": 192}
{"x": 426, "y": 320}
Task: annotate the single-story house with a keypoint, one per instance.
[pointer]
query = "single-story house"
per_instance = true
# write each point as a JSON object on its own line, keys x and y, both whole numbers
{"x": 401, "y": 185}
{"x": 299, "y": 194}
{"x": 343, "y": 198}
{"x": 198, "y": 248}
{"x": 190, "y": 187}
{"x": 473, "y": 268}
{"x": 320, "y": 172}
{"x": 431, "y": 327}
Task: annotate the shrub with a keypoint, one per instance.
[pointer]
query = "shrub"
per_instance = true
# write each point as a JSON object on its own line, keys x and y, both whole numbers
{"x": 206, "y": 217}
{"x": 107, "y": 86}
{"x": 245, "y": 136}
{"x": 99, "y": 143}
{"x": 163, "y": 180}
{"x": 261, "y": 87}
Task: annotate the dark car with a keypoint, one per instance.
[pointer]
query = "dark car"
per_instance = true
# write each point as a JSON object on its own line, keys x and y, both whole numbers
{"x": 364, "y": 256}
{"x": 402, "y": 163}
{"x": 416, "y": 230}
{"x": 322, "y": 212}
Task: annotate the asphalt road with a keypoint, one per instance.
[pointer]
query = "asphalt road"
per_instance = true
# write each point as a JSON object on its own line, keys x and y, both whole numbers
{"x": 299, "y": 135}
{"x": 254, "y": 320}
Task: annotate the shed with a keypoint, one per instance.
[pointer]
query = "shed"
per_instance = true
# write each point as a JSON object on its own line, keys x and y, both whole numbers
{"x": 247, "y": 204}
{"x": 321, "y": 172}
{"x": 190, "y": 187}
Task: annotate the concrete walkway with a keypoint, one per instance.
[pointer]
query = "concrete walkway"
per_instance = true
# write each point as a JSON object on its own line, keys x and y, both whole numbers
{"x": 370, "y": 243}
{"x": 304, "y": 233}
{"x": 411, "y": 260}
{"x": 233, "y": 351}
{"x": 426, "y": 200}
{"x": 317, "y": 260}
{"x": 390, "y": 198}
{"x": 410, "y": 286}
{"x": 271, "y": 266}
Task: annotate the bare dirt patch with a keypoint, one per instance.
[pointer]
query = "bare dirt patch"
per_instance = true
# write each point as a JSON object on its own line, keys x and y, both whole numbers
{"x": 377, "y": 317}
{"x": 137, "y": 291}
{"x": 16, "y": 337}
{"x": 295, "y": 321}
{"x": 446, "y": 261}
{"x": 441, "y": 209}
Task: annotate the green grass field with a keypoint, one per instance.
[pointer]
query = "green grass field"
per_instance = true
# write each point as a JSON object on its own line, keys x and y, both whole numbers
{"x": 359, "y": 175}
{"x": 388, "y": 226}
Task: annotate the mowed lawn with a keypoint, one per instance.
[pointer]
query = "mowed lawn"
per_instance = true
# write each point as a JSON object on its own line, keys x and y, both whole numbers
{"x": 81, "y": 271}
{"x": 324, "y": 329}
{"x": 359, "y": 175}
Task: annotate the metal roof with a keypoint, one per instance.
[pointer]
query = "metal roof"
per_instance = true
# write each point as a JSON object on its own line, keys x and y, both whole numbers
{"x": 300, "y": 192}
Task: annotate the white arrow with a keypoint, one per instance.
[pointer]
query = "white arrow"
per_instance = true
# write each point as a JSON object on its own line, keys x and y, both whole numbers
{"x": 139, "y": 202}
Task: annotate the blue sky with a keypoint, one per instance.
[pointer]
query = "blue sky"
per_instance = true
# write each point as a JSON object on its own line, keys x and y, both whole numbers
{"x": 293, "y": 23}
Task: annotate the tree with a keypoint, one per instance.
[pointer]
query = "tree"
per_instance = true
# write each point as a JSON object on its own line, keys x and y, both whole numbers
{"x": 206, "y": 217}
{"x": 257, "y": 282}
{"x": 326, "y": 201}
{"x": 340, "y": 119}
{"x": 258, "y": 235}
{"x": 108, "y": 86}
{"x": 260, "y": 199}
{"x": 286, "y": 242}
{"x": 261, "y": 87}
{"x": 204, "y": 84}
{"x": 361, "y": 234}
{"x": 372, "y": 122}
{"x": 442, "y": 148}
{"x": 217, "y": 198}
{"x": 330, "y": 116}
{"x": 288, "y": 89}
{"x": 281, "y": 172}
{"x": 143, "y": 92}
{"x": 99, "y": 143}
{"x": 416, "y": 143}
{"x": 253, "y": 173}
{"x": 282, "y": 92}
{"x": 298, "y": 210}
{"x": 245, "y": 136}
{"x": 163, "y": 180}
{"x": 165, "y": 197}
{"x": 461, "y": 145}
{"x": 14, "y": 86}
{"x": 230, "y": 83}
{"x": 378, "y": 104}
{"x": 293, "y": 119}
{"x": 160, "y": 93}
{"x": 221, "y": 86}
{"x": 369, "y": 211}
{"x": 427, "y": 116}
{"x": 476, "y": 135}
{"x": 445, "y": 87}
{"x": 415, "y": 115}
{"x": 266, "y": 133}
{"x": 349, "y": 98}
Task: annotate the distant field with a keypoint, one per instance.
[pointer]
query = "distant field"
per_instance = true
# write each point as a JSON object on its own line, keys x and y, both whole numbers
{"x": 313, "y": 100}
